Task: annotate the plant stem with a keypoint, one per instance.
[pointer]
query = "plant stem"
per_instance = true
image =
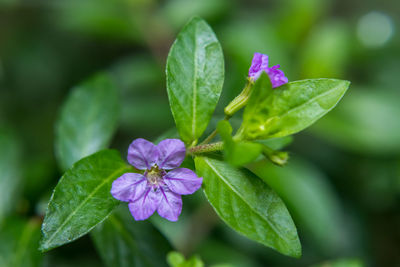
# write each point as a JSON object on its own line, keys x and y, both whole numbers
{"x": 236, "y": 104}
{"x": 209, "y": 138}
{"x": 240, "y": 101}
{"x": 213, "y": 134}
{"x": 206, "y": 148}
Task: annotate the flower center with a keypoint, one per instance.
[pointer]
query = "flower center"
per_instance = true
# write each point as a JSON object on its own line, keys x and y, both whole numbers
{"x": 155, "y": 175}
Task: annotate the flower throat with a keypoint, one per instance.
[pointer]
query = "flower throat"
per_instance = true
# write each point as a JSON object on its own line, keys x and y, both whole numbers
{"x": 155, "y": 175}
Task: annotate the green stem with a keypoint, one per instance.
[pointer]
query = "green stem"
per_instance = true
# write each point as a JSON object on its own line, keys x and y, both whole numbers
{"x": 206, "y": 148}
{"x": 240, "y": 101}
{"x": 212, "y": 135}
{"x": 209, "y": 138}
{"x": 235, "y": 105}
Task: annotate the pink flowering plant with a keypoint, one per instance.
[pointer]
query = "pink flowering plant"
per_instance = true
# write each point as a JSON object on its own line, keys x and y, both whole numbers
{"x": 198, "y": 154}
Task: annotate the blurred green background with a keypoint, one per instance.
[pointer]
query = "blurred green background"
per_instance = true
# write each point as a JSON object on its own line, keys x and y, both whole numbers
{"x": 342, "y": 184}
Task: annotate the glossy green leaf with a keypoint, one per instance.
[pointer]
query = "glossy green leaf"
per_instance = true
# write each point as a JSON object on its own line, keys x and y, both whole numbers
{"x": 309, "y": 197}
{"x": 123, "y": 242}
{"x": 87, "y": 121}
{"x": 290, "y": 108}
{"x": 248, "y": 205}
{"x": 176, "y": 259}
{"x": 18, "y": 243}
{"x": 10, "y": 174}
{"x": 82, "y": 198}
{"x": 237, "y": 153}
{"x": 195, "y": 75}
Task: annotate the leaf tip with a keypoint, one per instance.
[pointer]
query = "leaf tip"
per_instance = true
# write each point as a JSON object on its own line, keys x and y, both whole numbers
{"x": 347, "y": 84}
{"x": 297, "y": 254}
{"x": 195, "y": 19}
{"x": 296, "y": 249}
{"x": 43, "y": 247}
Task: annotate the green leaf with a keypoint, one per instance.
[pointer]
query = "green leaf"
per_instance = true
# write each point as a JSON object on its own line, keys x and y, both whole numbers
{"x": 176, "y": 259}
{"x": 237, "y": 153}
{"x": 18, "y": 243}
{"x": 87, "y": 121}
{"x": 195, "y": 75}
{"x": 82, "y": 198}
{"x": 248, "y": 205}
{"x": 123, "y": 242}
{"x": 309, "y": 197}
{"x": 290, "y": 108}
{"x": 10, "y": 174}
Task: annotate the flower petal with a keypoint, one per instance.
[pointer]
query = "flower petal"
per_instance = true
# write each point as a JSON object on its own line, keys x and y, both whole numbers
{"x": 171, "y": 153}
{"x": 144, "y": 207}
{"x": 183, "y": 181}
{"x": 170, "y": 206}
{"x": 276, "y": 76}
{"x": 142, "y": 154}
{"x": 129, "y": 187}
{"x": 258, "y": 64}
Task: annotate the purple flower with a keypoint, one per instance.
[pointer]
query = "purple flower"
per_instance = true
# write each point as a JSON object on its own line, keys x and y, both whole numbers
{"x": 260, "y": 64}
{"x": 156, "y": 189}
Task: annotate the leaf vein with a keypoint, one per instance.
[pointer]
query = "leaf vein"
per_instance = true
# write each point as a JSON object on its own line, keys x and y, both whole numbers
{"x": 194, "y": 101}
{"x": 255, "y": 211}
{"x": 305, "y": 103}
{"x": 82, "y": 204}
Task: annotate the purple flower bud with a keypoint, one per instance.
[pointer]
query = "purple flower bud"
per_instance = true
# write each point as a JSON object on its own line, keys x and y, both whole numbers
{"x": 260, "y": 64}
{"x": 156, "y": 189}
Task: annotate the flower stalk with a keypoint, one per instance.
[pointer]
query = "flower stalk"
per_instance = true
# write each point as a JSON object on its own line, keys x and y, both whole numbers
{"x": 259, "y": 64}
{"x": 206, "y": 148}
{"x": 279, "y": 158}
{"x": 240, "y": 101}
{"x": 234, "y": 106}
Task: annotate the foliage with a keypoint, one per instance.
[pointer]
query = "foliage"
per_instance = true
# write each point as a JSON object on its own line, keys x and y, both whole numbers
{"x": 78, "y": 133}
{"x": 195, "y": 75}
{"x": 307, "y": 170}
{"x": 82, "y": 198}
{"x": 249, "y": 206}
{"x": 122, "y": 242}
